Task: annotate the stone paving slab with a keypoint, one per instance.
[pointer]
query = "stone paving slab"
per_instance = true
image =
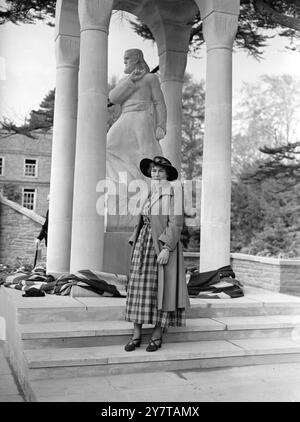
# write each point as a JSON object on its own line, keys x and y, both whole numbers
{"x": 8, "y": 385}
{"x": 287, "y": 320}
{"x": 47, "y": 358}
{"x": 178, "y": 394}
{"x": 269, "y": 297}
{"x": 48, "y": 301}
{"x": 241, "y": 302}
{"x": 107, "y": 388}
{"x": 262, "y": 383}
{"x": 115, "y": 354}
{"x": 251, "y": 295}
{"x": 12, "y": 398}
{"x": 254, "y": 322}
{"x": 267, "y": 346}
{"x": 72, "y": 329}
{"x": 81, "y": 389}
{"x": 180, "y": 351}
{"x": 4, "y": 367}
{"x": 150, "y": 380}
{"x": 199, "y": 324}
{"x": 92, "y": 302}
{"x": 9, "y": 390}
{"x": 96, "y": 328}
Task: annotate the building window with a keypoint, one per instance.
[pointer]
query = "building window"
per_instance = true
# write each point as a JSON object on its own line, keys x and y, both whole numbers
{"x": 30, "y": 167}
{"x": 1, "y": 166}
{"x": 29, "y": 196}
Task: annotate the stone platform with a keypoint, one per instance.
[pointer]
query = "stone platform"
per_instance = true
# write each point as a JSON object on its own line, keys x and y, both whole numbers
{"x": 66, "y": 341}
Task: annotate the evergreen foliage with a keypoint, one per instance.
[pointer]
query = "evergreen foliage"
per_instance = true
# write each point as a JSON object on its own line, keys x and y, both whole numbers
{"x": 255, "y": 20}
{"x": 265, "y": 218}
{"x": 256, "y": 17}
{"x": 27, "y": 11}
{"x": 267, "y": 117}
{"x": 38, "y": 120}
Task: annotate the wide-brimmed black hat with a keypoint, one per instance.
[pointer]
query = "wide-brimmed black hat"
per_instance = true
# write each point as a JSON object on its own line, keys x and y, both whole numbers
{"x": 172, "y": 173}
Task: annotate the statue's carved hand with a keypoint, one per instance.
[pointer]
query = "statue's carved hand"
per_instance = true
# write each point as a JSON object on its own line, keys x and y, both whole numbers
{"x": 160, "y": 133}
{"x": 136, "y": 75}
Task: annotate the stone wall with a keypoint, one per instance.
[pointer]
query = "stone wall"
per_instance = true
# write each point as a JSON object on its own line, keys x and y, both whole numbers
{"x": 18, "y": 230}
{"x": 14, "y": 150}
{"x": 191, "y": 259}
{"x": 280, "y": 275}
{"x": 257, "y": 271}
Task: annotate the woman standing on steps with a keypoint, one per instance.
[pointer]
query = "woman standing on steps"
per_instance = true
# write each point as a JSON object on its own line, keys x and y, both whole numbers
{"x": 157, "y": 292}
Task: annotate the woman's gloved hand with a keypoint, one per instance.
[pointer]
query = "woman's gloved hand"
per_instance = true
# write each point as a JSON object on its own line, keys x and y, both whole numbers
{"x": 163, "y": 257}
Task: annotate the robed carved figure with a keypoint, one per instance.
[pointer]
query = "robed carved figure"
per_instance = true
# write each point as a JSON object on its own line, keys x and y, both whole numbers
{"x": 142, "y": 123}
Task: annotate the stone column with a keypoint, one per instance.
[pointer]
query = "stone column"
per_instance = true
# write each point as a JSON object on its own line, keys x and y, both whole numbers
{"x": 172, "y": 65}
{"x": 220, "y": 18}
{"x": 90, "y": 160}
{"x": 63, "y": 154}
{"x": 172, "y": 43}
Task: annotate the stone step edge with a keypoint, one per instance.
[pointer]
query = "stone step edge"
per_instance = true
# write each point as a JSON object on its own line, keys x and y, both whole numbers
{"x": 202, "y": 304}
{"x": 216, "y": 325}
{"x": 173, "y": 353}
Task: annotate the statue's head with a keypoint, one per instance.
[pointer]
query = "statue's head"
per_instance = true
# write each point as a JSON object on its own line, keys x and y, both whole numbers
{"x": 134, "y": 60}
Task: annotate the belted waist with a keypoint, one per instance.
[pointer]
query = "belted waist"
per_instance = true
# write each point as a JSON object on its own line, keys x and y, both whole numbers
{"x": 137, "y": 106}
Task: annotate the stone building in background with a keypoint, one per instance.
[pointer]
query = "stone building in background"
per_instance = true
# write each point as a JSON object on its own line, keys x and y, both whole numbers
{"x": 18, "y": 228}
{"x": 25, "y": 165}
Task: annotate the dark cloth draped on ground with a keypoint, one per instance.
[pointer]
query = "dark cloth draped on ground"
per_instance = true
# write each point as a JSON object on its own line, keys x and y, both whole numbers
{"x": 104, "y": 284}
{"x": 216, "y": 284}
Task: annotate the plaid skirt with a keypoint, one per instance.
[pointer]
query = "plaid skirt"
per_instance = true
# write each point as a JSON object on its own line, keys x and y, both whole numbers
{"x": 141, "y": 302}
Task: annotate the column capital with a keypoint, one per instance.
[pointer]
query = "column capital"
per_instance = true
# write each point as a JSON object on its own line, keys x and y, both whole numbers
{"x": 172, "y": 40}
{"x": 95, "y": 14}
{"x": 220, "y": 21}
{"x": 206, "y": 7}
{"x": 67, "y": 50}
{"x": 172, "y": 65}
{"x": 172, "y": 36}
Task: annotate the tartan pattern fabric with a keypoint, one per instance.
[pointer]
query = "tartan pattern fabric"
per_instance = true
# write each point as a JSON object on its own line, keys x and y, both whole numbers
{"x": 141, "y": 301}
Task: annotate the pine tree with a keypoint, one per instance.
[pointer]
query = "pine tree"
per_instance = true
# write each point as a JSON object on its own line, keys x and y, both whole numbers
{"x": 43, "y": 117}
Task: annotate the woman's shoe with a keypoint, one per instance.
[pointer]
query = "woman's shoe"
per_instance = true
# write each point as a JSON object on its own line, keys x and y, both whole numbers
{"x": 154, "y": 344}
{"x": 132, "y": 344}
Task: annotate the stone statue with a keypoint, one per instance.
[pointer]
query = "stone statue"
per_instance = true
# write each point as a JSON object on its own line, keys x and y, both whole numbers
{"x": 142, "y": 123}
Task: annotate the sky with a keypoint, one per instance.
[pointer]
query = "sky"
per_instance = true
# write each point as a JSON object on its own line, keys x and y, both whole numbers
{"x": 27, "y": 63}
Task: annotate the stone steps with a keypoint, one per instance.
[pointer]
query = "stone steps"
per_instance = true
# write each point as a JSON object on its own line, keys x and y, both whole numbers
{"x": 64, "y": 337}
{"x": 109, "y": 360}
{"x": 104, "y": 333}
{"x": 60, "y": 309}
